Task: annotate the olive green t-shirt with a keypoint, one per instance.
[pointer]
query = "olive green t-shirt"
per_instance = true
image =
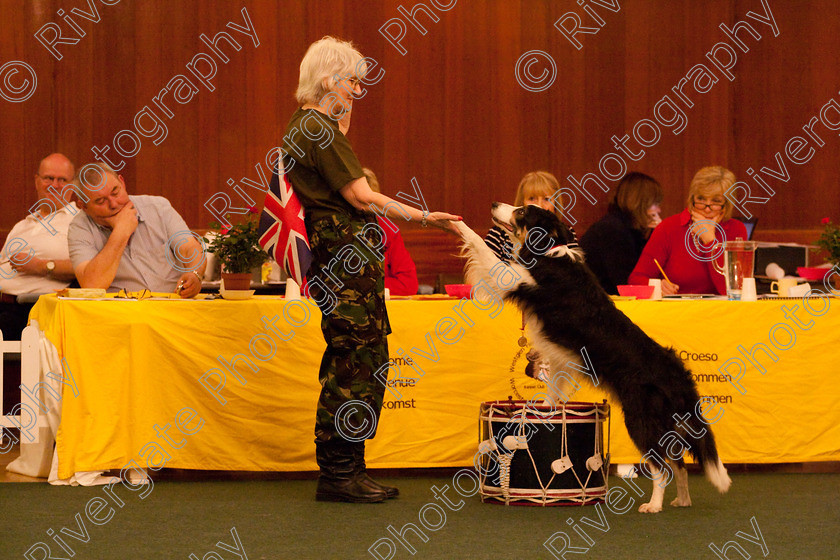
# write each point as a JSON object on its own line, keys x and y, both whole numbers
{"x": 319, "y": 162}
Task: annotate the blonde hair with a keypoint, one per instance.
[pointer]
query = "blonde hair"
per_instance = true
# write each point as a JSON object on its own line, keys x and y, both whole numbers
{"x": 711, "y": 181}
{"x": 327, "y": 61}
{"x": 536, "y": 183}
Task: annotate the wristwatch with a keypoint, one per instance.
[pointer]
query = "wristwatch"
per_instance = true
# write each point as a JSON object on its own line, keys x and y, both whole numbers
{"x": 50, "y": 268}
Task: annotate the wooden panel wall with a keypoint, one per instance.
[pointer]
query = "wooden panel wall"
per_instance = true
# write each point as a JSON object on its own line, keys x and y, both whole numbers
{"x": 449, "y": 112}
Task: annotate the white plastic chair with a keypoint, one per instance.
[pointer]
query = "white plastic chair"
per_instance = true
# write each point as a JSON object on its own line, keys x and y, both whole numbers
{"x": 25, "y": 415}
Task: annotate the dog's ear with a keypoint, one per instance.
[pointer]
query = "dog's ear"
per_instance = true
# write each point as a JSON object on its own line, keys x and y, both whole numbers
{"x": 543, "y": 229}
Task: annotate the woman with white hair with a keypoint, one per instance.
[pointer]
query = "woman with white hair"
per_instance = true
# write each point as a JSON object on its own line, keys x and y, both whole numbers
{"x": 346, "y": 277}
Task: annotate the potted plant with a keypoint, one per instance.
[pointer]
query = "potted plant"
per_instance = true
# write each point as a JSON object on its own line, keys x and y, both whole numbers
{"x": 829, "y": 241}
{"x": 238, "y": 250}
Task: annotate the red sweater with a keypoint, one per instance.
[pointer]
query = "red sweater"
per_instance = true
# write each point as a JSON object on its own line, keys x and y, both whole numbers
{"x": 667, "y": 245}
{"x": 400, "y": 272}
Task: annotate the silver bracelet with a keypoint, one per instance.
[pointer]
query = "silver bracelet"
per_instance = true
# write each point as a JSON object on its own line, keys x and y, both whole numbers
{"x": 425, "y": 215}
{"x": 197, "y": 275}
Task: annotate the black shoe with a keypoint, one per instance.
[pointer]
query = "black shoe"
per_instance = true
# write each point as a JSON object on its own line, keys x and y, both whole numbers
{"x": 338, "y": 481}
{"x": 364, "y": 478}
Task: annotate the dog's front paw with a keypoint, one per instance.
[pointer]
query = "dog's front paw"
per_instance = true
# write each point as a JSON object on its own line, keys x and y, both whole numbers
{"x": 462, "y": 228}
{"x": 467, "y": 234}
{"x": 681, "y": 502}
{"x": 650, "y": 507}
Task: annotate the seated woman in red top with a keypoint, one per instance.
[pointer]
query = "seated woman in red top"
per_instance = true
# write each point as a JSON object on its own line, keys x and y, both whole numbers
{"x": 684, "y": 244}
{"x": 400, "y": 272}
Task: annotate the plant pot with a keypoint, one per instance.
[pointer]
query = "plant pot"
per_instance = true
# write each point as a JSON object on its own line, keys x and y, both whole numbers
{"x": 236, "y": 280}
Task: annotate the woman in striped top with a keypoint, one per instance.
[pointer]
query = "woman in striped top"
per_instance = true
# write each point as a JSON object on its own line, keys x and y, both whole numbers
{"x": 537, "y": 187}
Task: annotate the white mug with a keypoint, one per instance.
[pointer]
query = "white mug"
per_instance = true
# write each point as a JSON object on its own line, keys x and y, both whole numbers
{"x": 774, "y": 271}
{"x": 657, "y": 288}
{"x": 782, "y": 286}
{"x": 799, "y": 290}
{"x": 748, "y": 290}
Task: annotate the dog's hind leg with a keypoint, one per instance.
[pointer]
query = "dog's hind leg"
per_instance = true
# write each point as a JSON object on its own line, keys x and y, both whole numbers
{"x": 681, "y": 476}
{"x": 655, "y": 503}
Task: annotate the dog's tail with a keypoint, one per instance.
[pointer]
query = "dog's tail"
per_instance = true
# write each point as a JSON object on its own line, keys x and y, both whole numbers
{"x": 717, "y": 475}
{"x": 706, "y": 454}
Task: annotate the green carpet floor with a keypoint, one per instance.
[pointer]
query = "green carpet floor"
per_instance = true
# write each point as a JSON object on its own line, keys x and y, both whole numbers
{"x": 797, "y": 515}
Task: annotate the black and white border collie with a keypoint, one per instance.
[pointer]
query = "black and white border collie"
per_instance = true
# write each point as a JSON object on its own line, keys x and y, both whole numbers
{"x": 565, "y": 309}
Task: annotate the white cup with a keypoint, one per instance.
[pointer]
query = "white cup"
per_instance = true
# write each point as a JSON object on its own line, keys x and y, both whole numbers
{"x": 774, "y": 271}
{"x": 782, "y": 286}
{"x": 657, "y": 288}
{"x": 748, "y": 290}
{"x": 799, "y": 290}
{"x": 292, "y": 290}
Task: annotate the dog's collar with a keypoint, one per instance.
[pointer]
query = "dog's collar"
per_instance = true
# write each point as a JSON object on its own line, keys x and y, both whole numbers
{"x": 557, "y": 251}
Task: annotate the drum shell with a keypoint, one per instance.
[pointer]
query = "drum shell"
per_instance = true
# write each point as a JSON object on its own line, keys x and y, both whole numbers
{"x": 531, "y": 479}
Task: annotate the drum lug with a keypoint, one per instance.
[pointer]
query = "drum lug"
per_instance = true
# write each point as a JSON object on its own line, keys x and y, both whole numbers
{"x": 595, "y": 462}
{"x": 561, "y": 465}
{"x": 515, "y": 442}
{"x": 487, "y": 446}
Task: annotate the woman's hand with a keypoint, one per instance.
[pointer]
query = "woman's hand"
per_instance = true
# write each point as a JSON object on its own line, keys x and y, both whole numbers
{"x": 706, "y": 232}
{"x": 443, "y": 221}
{"x": 669, "y": 289}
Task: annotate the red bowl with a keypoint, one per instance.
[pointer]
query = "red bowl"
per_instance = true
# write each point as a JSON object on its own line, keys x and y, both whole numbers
{"x": 458, "y": 290}
{"x": 641, "y": 292}
{"x": 812, "y": 274}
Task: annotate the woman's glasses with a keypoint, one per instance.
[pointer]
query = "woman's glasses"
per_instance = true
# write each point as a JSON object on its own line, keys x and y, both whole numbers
{"x": 703, "y": 205}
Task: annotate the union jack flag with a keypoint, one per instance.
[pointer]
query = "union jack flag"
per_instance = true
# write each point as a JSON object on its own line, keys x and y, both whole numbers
{"x": 282, "y": 231}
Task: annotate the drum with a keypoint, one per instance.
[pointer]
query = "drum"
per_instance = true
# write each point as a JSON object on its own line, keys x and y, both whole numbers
{"x": 543, "y": 455}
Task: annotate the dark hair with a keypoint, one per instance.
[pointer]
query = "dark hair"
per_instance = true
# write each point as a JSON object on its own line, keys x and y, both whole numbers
{"x": 635, "y": 193}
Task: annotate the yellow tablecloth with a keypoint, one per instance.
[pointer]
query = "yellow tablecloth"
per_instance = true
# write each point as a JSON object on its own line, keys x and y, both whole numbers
{"x": 137, "y": 366}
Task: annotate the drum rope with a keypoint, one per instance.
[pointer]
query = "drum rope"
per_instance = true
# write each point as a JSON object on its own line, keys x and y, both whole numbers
{"x": 504, "y": 474}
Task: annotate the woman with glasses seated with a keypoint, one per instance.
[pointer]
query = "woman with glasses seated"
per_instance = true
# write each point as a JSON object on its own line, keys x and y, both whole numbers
{"x": 685, "y": 244}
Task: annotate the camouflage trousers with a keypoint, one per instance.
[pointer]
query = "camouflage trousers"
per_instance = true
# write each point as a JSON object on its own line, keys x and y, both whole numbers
{"x": 347, "y": 281}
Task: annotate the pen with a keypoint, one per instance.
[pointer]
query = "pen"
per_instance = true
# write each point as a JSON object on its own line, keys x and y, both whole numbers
{"x": 662, "y": 271}
{"x": 180, "y": 287}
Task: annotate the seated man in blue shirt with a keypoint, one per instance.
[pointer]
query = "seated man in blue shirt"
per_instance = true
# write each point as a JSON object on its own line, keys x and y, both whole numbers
{"x": 130, "y": 242}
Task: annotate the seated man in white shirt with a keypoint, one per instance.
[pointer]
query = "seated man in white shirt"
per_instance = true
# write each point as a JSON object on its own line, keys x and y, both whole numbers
{"x": 35, "y": 259}
{"x": 131, "y": 242}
